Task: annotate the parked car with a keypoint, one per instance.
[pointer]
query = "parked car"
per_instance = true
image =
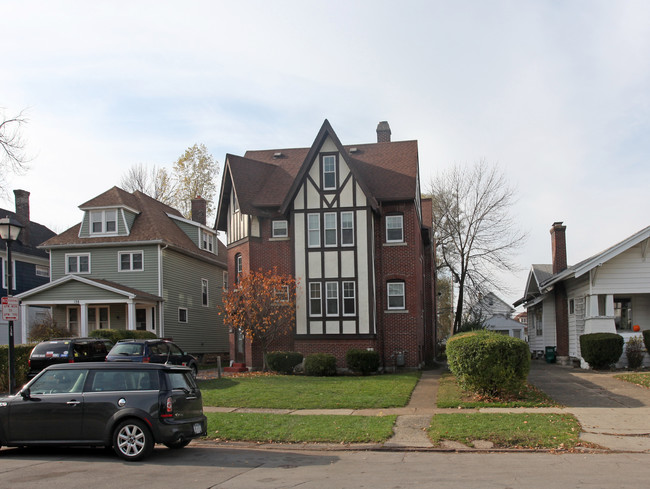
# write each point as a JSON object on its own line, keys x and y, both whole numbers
{"x": 127, "y": 406}
{"x": 152, "y": 351}
{"x": 67, "y": 350}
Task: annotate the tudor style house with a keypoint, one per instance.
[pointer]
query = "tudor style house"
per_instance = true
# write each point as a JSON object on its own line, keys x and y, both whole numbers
{"x": 135, "y": 263}
{"x": 349, "y": 224}
{"x": 31, "y": 265}
{"x": 607, "y": 292}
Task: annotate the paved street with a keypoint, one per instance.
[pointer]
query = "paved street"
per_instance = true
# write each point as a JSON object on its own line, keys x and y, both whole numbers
{"x": 206, "y": 466}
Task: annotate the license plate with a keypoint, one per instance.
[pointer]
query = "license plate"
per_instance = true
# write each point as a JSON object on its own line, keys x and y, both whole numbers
{"x": 197, "y": 428}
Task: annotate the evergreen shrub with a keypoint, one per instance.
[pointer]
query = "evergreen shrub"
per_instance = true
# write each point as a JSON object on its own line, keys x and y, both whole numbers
{"x": 600, "y": 350}
{"x": 283, "y": 361}
{"x": 489, "y": 363}
{"x": 646, "y": 339}
{"x": 634, "y": 352}
{"x": 362, "y": 361}
{"x": 320, "y": 365}
{"x": 122, "y": 334}
{"x": 21, "y": 365}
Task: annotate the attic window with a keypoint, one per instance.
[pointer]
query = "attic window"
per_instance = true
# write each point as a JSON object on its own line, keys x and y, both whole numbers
{"x": 103, "y": 222}
{"x": 329, "y": 172}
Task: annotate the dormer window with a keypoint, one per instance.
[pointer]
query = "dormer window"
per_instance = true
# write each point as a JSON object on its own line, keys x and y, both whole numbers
{"x": 329, "y": 172}
{"x": 103, "y": 222}
{"x": 207, "y": 241}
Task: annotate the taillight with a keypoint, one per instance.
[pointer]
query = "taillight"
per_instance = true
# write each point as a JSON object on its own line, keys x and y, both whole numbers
{"x": 169, "y": 408}
{"x": 71, "y": 360}
{"x": 145, "y": 360}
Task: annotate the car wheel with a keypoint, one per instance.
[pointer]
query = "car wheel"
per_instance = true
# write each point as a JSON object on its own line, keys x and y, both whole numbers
{"x": 175, "y": 445}
{"x": 195, "y": 370}
{"x": 132, "y": 440}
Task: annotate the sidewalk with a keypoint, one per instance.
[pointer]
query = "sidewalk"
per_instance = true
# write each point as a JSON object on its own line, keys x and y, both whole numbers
{"x": 613, "y": 414}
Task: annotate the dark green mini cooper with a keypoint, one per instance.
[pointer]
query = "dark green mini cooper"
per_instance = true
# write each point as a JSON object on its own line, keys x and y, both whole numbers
{"x": 129, "y": 407}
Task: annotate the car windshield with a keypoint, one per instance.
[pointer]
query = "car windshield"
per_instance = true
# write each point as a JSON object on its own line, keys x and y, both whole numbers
{"x": 52, "y": 347}
{"x": 127, "y": 349}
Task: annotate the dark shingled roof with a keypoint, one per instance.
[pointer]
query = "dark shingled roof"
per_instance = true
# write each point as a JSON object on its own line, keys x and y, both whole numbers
{"x": 263, "y": 179}
{"x": 37, "y": 235}
{"x": 151, "y": 224}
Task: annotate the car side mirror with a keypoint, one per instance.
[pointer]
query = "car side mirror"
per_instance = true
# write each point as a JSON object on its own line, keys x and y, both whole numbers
{"x": 25, "y": 393}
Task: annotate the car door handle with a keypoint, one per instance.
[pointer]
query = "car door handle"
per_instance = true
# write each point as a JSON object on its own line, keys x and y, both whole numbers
{"x": 73, "y": 403}
{"x": 191, "y": 398}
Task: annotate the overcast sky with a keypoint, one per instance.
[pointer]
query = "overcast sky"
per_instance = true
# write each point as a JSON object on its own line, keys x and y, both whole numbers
{"x": 556, "y": 92}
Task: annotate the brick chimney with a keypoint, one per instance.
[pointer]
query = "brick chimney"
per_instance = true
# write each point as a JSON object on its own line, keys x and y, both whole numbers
{"x": 199, "y": 210}
{"x": 558, "y": 247}
{"x": 22, "y": 214}
{"x": 383, "y": 132}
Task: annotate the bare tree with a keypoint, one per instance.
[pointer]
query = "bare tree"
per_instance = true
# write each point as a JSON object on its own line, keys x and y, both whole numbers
{"x": 154, "y": 181}
{"x": 475, "y": 232}
{"x": 13, "y": 158}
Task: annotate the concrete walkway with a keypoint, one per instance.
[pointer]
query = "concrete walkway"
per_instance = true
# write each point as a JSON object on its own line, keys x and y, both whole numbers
{"x": 613, "y": 414}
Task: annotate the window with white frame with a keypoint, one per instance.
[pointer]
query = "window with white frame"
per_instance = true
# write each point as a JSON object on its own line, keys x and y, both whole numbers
{"x": 394, "y": 229}
{"x": 330, "y": 228}
{"x": 182, "y": 315}
{"x": 280, "y": 229}
{"x": 131, "y": 261}
{"x": 98, "y": 317}
{"x": 103, "y": 222}
{"x": 539, "y": 325}
{"x": 204, "y": 291}
{"x": 42, "y": 271}
{"x": 207, "y": 241}
{"x": 347, "y": 229}
{"x": 332, "y": 298}
{"x": 315, "y": 299}
{"x": 313, "y": 230}
{"x": 396, "y": 298}
{"x": 4, "y": 274}
{"x": 239, "y": 267}
{"x": 282, "y": 294}
{"x": 349, "y": 299}
{"x": 329, "y": 172}
{"x": 77, "y": 263}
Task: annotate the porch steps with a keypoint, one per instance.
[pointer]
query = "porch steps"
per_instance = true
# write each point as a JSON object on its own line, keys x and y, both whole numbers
{"x": 236, "y": 368}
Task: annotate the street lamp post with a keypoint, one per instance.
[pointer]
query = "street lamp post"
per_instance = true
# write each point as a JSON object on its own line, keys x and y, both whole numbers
{"x": 9, "y": 231}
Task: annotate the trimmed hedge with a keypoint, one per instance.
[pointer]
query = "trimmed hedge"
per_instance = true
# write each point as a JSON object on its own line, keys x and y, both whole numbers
{"x": 320, "y": 365}
{"x": 283, "y": 361}
{"x": 21, "y": 364}
{"x": 489, "y": 363}
{"x": 600, "y": 350}
{"x": 362, "y": 361}
{"x": 122, "y": 334}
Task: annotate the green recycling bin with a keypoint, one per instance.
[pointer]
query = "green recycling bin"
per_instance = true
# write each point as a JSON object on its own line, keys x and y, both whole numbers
{"x": 550, "y": 354}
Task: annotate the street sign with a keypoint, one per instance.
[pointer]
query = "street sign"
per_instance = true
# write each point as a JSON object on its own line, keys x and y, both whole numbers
{"x": 10, "y": 308}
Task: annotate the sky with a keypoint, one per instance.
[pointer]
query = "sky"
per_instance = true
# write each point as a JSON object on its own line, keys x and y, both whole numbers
{"x": 556, "y": 93}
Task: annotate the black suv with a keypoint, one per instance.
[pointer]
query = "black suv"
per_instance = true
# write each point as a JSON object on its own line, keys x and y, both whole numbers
{"x": 129, "y": 407}
{"x": 67, "y": 350}
{"x": 152, "y": 351}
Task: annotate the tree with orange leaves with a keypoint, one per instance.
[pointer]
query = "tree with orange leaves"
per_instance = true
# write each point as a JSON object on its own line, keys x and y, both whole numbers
{"x": 262, "y": 306}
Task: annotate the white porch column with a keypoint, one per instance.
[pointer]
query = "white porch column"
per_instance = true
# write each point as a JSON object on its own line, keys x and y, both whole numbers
{"x": 592, "y": 311}
{"x": 609, "y": 306}
{"x": 23, "y": 323}
{"x": 83, "y": 327}
{"x": 130, "y": 316}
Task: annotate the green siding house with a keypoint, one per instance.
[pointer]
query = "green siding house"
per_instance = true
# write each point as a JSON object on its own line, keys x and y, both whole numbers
{"x": 135, "y": 263}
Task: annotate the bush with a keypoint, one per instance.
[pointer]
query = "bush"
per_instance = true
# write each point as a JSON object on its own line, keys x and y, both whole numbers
{"x": 283, "y": 361}
{"x": 362, "y": 361}
{"x": 634, "y": 352}
{"x": 122, "y": 334}
{"x": 600, "y": 350}
{"x": 320, "y": 365}
{"x": 21, "y": 364}
{"x": 489, "y": 363}
{"x": 47, "y": 329}
{"x": 646, "y": 339}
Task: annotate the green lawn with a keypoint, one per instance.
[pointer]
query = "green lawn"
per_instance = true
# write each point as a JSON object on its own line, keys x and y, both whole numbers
{"x": 450, "y": 395}
{"x": 302, "y": 392}
{"x": 285, "y": 428}
{"x": 521, "y": 430}
{"x": 640, "y": 379}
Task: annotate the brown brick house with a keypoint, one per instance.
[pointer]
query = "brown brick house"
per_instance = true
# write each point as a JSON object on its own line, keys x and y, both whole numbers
{"x": 349, "y": 224}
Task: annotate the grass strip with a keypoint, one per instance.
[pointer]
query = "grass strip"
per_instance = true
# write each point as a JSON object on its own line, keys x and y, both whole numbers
{"x": 518, "y": 430}
{"x": 286, "y": 428}
{"x": 640, "y": 379}
{"x": 451, "y": 395}
{"x": 302, "y": 392}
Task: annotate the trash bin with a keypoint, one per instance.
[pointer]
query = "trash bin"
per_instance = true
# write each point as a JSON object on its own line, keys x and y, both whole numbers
{"x": 550, "y": 354}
